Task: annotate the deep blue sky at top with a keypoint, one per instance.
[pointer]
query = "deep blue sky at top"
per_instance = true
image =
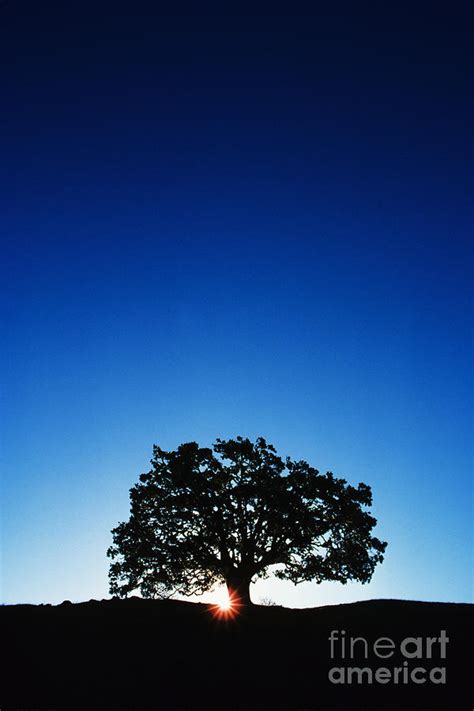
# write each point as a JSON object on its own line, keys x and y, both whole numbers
{"x": 219, "y": 223}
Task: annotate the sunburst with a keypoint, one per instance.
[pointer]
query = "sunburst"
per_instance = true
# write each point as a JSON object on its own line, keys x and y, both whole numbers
{"x": 227, "y": 606}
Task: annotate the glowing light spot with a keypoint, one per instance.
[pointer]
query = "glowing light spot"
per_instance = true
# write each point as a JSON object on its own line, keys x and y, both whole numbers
{"x": 227, "y": 605}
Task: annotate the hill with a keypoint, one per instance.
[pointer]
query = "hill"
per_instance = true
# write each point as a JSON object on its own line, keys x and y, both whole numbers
{"x": 171, "y": 655}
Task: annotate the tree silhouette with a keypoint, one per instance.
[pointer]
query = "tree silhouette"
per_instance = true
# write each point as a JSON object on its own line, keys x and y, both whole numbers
{"x": 202, "y": 516}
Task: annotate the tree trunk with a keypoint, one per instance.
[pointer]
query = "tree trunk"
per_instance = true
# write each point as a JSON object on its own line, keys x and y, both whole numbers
{"x": 238, "y": 588}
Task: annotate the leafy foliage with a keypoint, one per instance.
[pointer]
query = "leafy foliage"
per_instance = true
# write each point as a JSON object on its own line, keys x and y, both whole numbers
{"x": 231, "y": 513}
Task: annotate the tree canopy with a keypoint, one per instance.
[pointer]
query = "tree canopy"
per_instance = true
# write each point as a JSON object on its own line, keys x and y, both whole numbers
{"x": 235, "y": 513}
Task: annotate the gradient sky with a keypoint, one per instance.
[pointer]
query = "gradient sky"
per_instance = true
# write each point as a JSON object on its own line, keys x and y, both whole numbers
{"x": 220, "y": 224}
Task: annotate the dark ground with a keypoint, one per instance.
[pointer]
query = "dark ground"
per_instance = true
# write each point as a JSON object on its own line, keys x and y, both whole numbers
{"x": 170, "y": 655}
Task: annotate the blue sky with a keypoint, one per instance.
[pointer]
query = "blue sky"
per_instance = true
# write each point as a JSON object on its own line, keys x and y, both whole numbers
{"x": 218, "y": 225}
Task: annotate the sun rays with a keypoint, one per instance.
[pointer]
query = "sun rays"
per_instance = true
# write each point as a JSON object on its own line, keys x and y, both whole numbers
{"x": 227, "y": 605}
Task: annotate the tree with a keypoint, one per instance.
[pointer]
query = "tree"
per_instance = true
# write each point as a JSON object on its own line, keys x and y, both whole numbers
{"x": 202, "y": 516}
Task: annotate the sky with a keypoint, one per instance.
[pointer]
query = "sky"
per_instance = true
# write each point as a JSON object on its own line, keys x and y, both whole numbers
{"x": 220, "y": 223}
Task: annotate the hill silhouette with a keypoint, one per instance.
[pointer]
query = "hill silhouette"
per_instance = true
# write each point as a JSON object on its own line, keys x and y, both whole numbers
{"x": 172, "y": 655}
